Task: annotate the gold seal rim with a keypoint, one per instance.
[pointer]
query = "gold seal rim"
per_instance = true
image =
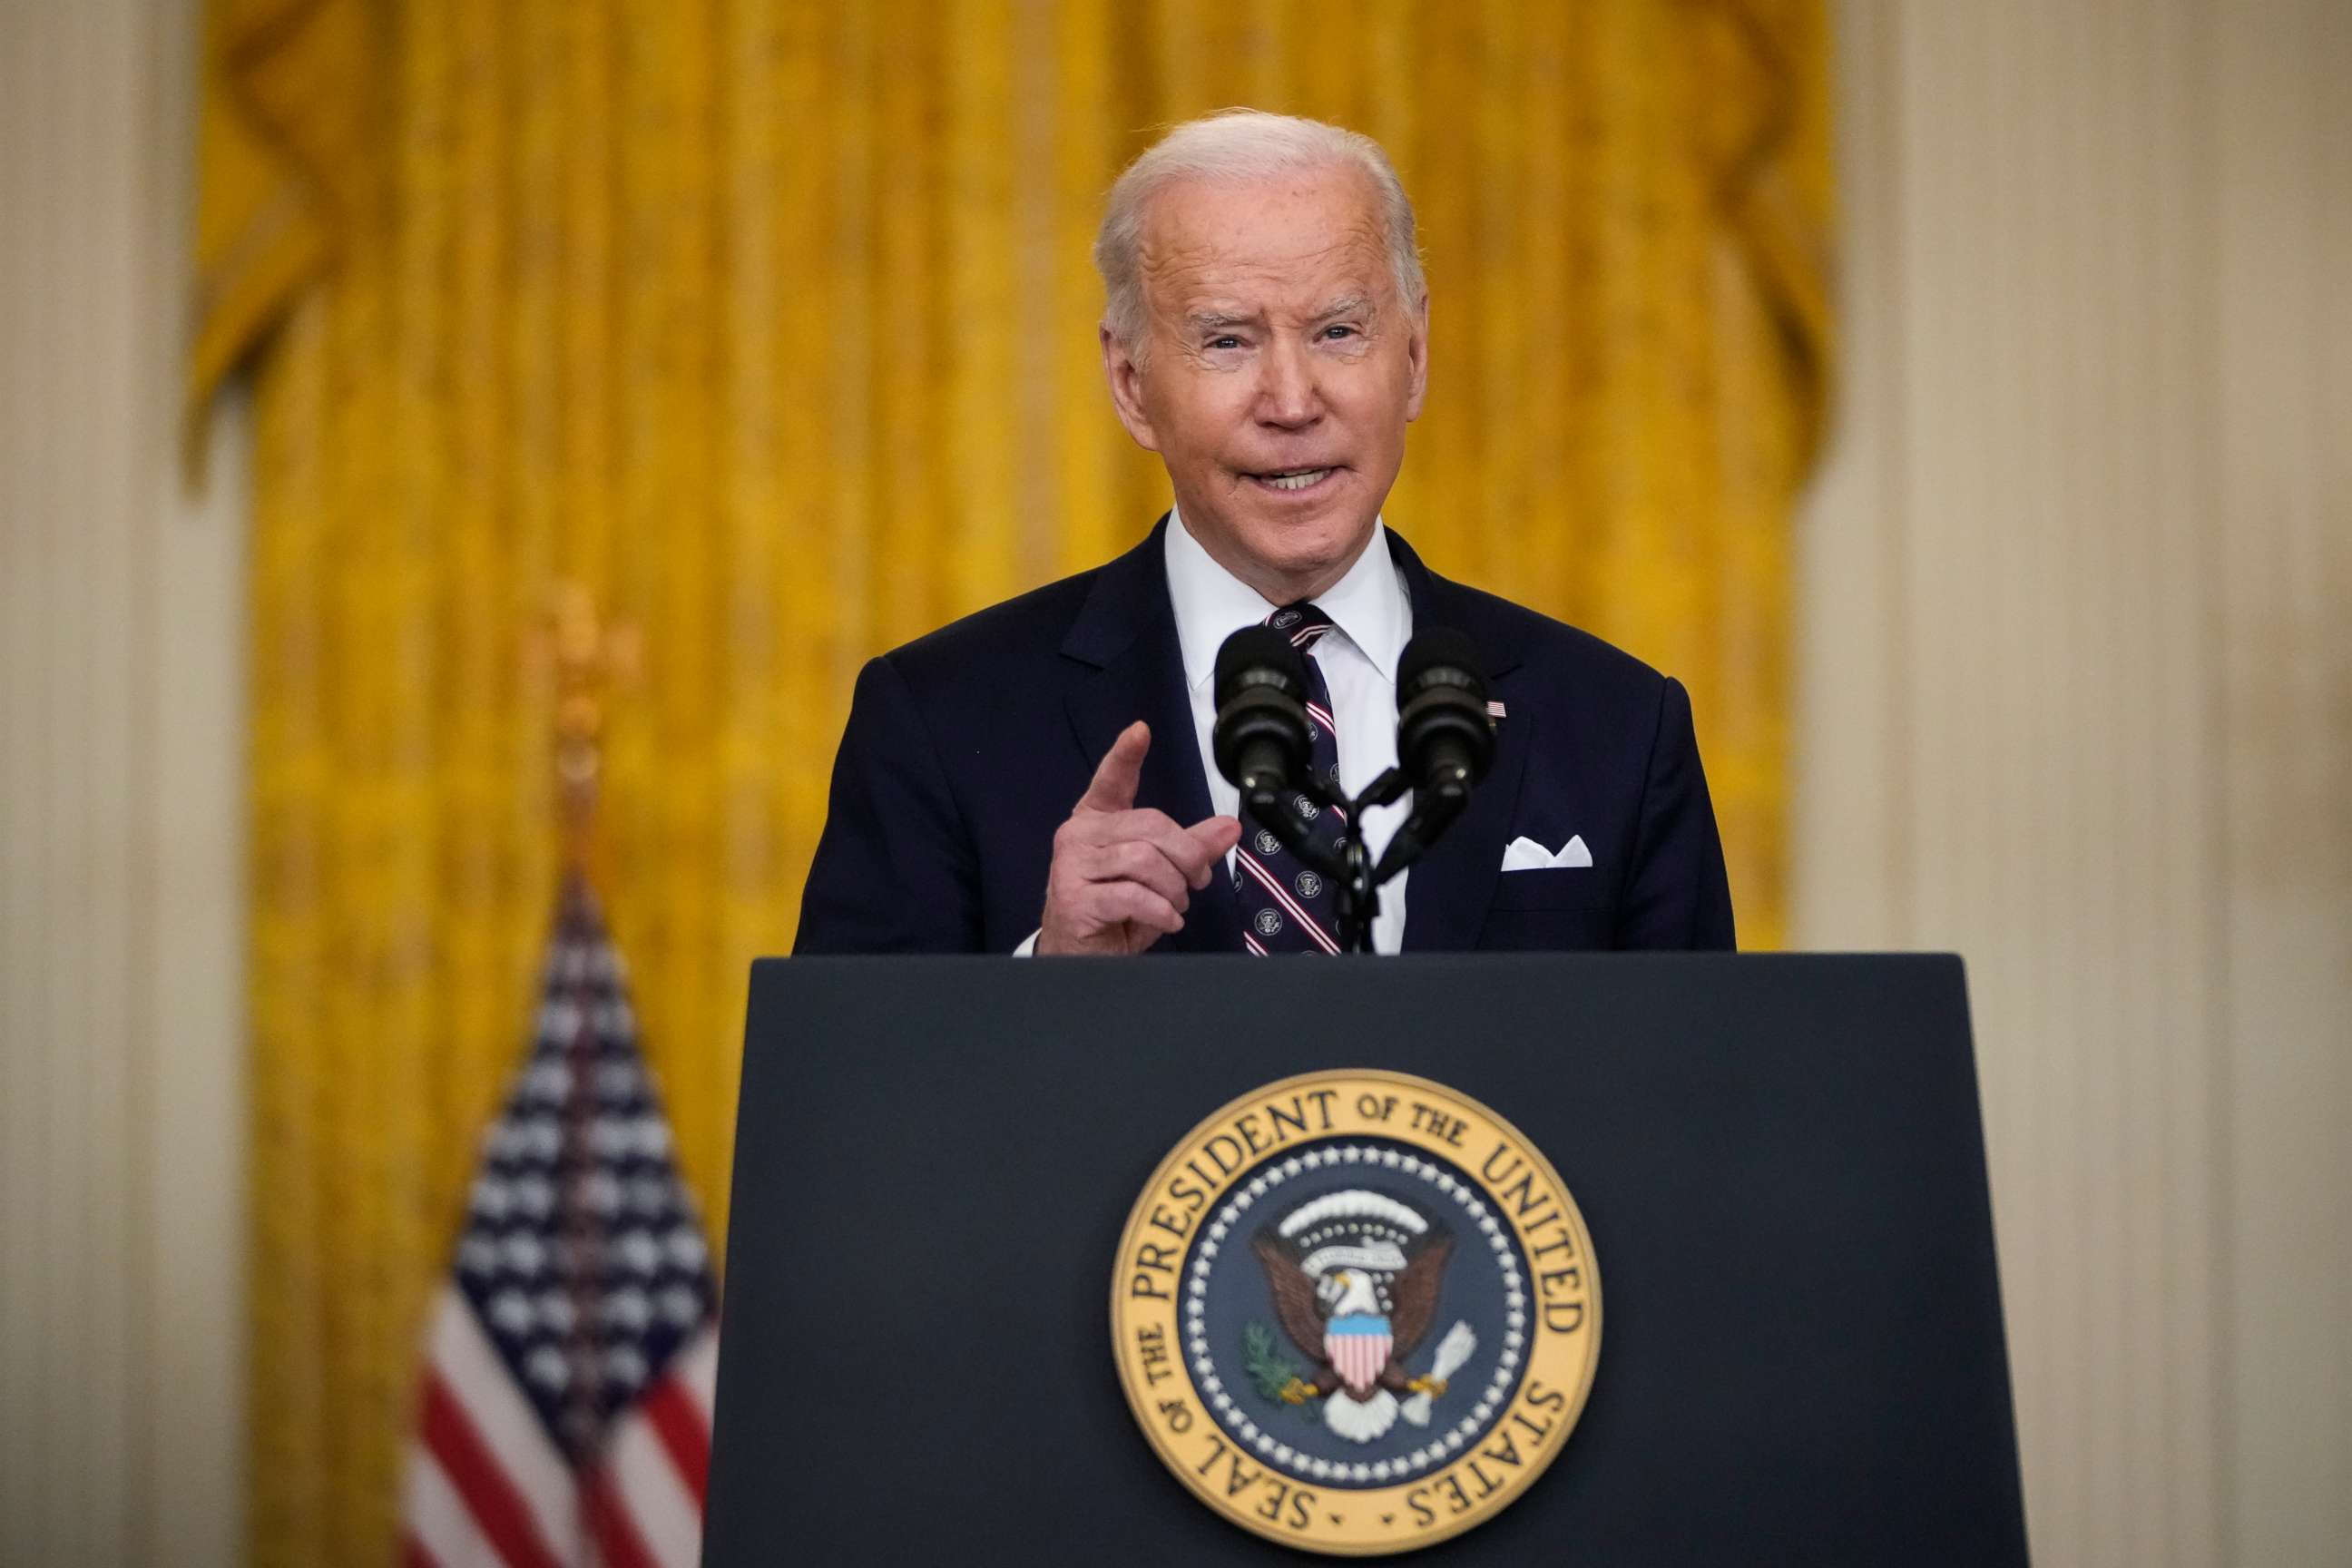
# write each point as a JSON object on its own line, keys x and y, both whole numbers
{"x": 1131, "y": 1379}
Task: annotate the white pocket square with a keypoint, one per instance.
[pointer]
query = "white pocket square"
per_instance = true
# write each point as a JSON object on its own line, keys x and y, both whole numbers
{"x": 1526, "y": 855}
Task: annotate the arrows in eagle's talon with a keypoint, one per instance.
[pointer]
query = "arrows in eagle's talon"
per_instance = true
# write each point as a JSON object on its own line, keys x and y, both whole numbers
{"x": 1432, "y": 1387}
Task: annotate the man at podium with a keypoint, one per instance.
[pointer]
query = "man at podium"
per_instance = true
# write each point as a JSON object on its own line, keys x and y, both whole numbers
{"x": 1265, "y": 331}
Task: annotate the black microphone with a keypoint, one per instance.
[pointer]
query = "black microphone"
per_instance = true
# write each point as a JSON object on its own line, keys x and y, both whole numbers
{"x": 1446, "y": 741}
{"x": 1260, "y": 741}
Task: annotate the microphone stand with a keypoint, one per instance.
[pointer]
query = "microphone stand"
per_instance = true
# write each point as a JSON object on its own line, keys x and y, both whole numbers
{"x": 1355, "y": 880}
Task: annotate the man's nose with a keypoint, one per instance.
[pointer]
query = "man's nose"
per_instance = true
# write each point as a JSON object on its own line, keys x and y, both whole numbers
{"x": 1287, "y": 395}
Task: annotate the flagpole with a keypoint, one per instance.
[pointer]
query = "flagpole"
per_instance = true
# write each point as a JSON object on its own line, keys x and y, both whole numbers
{"x": 566, "y": 1391}
{"x": 589, "y": 655}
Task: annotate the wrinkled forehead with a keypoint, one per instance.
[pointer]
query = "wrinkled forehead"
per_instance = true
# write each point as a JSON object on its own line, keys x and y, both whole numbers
{"x": 1288, "y": 246}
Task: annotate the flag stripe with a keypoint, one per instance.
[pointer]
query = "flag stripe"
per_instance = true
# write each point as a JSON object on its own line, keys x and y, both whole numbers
{"x": 460, "y": 1352}
{"x": 669, "y": 1411}
{"x": 440, "y": 1530}
{"x": 499, "y": 1510}
{"x": 618, "y": 1545}
{"x": 668, "y": 1512}
{"x": 695, "y": 1370}
{"x": 1359, "y": 1358}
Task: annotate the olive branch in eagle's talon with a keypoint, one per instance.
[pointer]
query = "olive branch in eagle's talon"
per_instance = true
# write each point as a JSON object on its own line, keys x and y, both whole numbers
{"x": 1275, "y": 1375}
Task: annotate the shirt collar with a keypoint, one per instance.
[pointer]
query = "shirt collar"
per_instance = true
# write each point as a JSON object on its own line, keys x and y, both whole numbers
{"x": 1367, "y": 605}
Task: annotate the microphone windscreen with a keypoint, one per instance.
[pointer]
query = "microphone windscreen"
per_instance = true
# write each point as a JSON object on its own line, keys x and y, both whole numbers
{"x": 1445, "y": 734}
{"x": 1258, "y": 649}
{"x": 1438, "y": 647}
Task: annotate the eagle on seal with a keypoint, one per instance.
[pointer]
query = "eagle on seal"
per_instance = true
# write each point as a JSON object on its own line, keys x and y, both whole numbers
{"x": 1355, "y": 1276}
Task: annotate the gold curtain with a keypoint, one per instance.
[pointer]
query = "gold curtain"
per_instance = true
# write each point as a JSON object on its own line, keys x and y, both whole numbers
{"x": 772, "y": 324}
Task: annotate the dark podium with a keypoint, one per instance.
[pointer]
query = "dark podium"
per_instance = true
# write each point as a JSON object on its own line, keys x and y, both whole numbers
{"x": 1779, "y": 1159}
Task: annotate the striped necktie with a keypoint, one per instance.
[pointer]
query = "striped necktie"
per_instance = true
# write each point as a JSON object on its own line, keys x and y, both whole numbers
{"x": 1286, "y": 906}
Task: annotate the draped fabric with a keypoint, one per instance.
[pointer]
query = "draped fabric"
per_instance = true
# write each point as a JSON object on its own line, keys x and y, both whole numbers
{"x": 772, "y": 324}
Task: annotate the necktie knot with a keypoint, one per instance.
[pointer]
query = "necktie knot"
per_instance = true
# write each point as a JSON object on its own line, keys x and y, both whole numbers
{"x": 1303, "y": 622}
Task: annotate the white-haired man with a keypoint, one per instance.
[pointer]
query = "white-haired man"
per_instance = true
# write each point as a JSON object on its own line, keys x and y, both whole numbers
{"x": 1267, "y": 333}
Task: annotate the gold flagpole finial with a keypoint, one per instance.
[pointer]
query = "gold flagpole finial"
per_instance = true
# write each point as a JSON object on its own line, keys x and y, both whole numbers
{"x": 591, "y": 659}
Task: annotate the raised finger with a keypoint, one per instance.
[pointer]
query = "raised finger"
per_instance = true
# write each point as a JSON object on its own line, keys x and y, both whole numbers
{"x": 1120, "y": 770}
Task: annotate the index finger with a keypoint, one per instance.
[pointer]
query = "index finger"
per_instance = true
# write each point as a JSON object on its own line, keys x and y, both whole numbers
{"x": 1122, "y": 769}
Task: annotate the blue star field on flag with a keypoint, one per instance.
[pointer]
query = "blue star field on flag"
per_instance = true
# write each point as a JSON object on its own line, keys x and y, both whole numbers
{"x": 582, "y": 1253}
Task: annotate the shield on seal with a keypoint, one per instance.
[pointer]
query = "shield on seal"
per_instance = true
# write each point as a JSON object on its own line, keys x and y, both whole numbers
{"x": 1357, "y": 1345}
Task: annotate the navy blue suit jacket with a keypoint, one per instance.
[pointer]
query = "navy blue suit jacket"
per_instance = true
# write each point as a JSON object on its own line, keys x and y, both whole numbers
{"x": 965, "y": 751}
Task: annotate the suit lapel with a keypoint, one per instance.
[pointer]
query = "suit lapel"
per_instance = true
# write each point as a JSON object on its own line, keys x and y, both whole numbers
{"x": 1126, "y": 635}
{"x": 1448, "y": 895}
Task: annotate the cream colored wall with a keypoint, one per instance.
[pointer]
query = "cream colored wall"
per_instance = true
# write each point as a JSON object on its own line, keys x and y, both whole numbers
{"x": 121, "y": 1112}
{"x": 2076, "y": 600}
{"x": 2282, "y": 572}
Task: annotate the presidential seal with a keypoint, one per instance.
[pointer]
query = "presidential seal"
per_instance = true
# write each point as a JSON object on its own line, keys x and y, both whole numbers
{"x": 1355, "y": 1312}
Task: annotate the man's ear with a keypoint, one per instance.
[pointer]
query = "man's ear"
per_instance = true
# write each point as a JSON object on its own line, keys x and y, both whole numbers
{"x": 1416, "y": 351}
{"x": 1126, "y": 389}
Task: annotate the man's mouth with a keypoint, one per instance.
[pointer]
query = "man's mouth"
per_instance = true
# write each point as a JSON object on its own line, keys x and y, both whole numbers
{"x": 1294, "y": 479}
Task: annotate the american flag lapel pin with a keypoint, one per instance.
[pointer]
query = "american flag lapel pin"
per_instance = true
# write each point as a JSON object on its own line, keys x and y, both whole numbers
{"x": 1494, "y": 709}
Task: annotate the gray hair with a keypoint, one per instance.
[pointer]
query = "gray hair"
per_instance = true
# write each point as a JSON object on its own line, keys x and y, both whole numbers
{"x": 1237, "y": 146}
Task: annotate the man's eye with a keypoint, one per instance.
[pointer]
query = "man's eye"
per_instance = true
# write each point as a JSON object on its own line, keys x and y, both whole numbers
{"x": 1339, "y": 330}
{"x": 1227, "y": 341}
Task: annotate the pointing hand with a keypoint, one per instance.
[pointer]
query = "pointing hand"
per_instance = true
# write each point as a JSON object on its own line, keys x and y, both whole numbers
{"x": 1122, "y": 878}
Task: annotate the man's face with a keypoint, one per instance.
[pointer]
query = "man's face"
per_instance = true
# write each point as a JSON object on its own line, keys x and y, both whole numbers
{"x": 1280, "y": 370}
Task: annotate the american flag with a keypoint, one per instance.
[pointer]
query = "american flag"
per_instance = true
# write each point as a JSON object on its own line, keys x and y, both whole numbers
{"x": 566, "y": 1413}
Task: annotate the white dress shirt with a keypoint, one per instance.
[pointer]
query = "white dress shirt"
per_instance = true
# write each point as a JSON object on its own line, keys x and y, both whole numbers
{"x": 1372, "y": 618}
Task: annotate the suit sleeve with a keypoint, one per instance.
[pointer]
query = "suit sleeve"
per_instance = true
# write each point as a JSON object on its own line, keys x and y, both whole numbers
{"x": 1679, "y": 896}
{"x": 894, "y": 870}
